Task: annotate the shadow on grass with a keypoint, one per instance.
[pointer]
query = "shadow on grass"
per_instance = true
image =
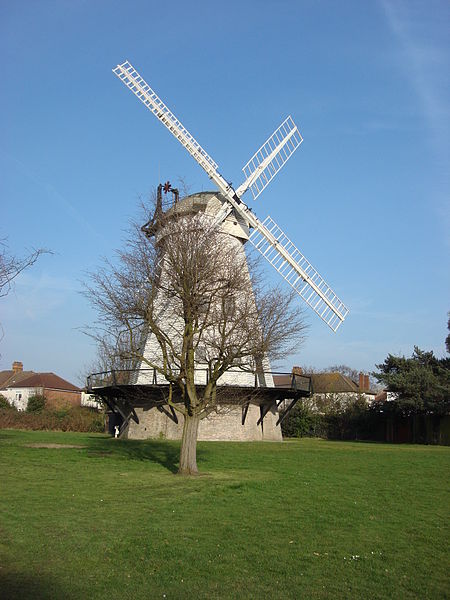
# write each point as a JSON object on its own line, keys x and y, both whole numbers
{"x": 164, "y": 452}
{"x": 30, "y": 586}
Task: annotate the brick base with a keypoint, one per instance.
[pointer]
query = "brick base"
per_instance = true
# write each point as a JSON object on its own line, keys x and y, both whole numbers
{"x": 223, "y": 426}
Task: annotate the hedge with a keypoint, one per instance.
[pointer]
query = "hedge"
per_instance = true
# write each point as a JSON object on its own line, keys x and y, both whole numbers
{"x": 70, "y": 419}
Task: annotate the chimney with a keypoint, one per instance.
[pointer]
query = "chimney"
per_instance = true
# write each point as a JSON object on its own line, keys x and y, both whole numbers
{"x": 17, "y": 367}
{"x": 366, "y": 383}
{"x": 297, "y": 371}
{"x": 361, "y": 382}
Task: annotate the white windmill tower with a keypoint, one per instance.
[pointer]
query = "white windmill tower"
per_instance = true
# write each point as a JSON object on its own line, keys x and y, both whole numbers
{"x": 235, "y": 217}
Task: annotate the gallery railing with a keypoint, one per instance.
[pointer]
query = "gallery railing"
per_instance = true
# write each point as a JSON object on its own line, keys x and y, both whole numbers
{"x": 235, "y": 377}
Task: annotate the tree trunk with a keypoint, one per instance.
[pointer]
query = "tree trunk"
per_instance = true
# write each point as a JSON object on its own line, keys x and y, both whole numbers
{"x": 188, "y": 454}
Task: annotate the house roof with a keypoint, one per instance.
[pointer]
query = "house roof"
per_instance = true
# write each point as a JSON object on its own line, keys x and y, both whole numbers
{"x": 324, "y": 383}
{"x": 333, "y": 382}
{"x": 8, "y": 378}
{"x": 44, "y": 380}
{"x": 284, "y": 380}
{"x": 327, "y": 383}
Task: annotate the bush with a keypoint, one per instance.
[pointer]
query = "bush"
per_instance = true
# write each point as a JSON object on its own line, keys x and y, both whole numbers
{"x": 355, "y": 421}
{"x": 5, "y": 404}
{"x": 36, "y": 403}
{"x": 302, "y": 422}
{"x": 380, "y": 422}
{"x": 61, "y": 413}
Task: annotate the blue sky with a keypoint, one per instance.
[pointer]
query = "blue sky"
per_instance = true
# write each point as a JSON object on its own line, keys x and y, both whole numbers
{"x": 365, "y": 197}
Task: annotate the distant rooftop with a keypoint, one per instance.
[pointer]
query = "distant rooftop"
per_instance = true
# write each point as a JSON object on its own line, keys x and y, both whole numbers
{"x": 329, "y": 383}
{"x": 17, "y": 378}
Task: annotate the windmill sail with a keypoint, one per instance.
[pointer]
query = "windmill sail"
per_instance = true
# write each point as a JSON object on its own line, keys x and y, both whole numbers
{"x": 268, "y": 160}
{"x": 131, "y": 78}
{"x": 268, "y": 238}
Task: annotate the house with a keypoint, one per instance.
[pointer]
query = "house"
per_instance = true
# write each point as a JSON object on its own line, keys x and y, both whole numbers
{"x": 18, "y": 385}
{"x": 332, "y": 388}
{"x": 13, "y": 375}
{"x": 90, "y": 401}
{"x": 386, "y": 396}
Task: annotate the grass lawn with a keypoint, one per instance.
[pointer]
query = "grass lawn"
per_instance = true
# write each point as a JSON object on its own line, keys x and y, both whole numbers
{"x": 299, "y": 519}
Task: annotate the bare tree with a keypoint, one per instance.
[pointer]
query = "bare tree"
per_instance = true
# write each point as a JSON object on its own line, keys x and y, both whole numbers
{"x": 193, "y": 292}
{"x": 111, "y": 355}
{"x": 11, "y": 266}
{"x": 353, "y": 374}
{"x": 447, "y": 339}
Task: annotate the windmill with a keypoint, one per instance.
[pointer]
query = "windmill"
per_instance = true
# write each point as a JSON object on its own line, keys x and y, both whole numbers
{"x": 265, "y": 236}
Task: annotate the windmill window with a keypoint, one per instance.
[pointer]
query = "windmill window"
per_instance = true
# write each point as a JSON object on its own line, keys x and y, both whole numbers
{"x": 202, "y": 305}
{"x": 201, "y": 354}
{"x": 229, "y": 305}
